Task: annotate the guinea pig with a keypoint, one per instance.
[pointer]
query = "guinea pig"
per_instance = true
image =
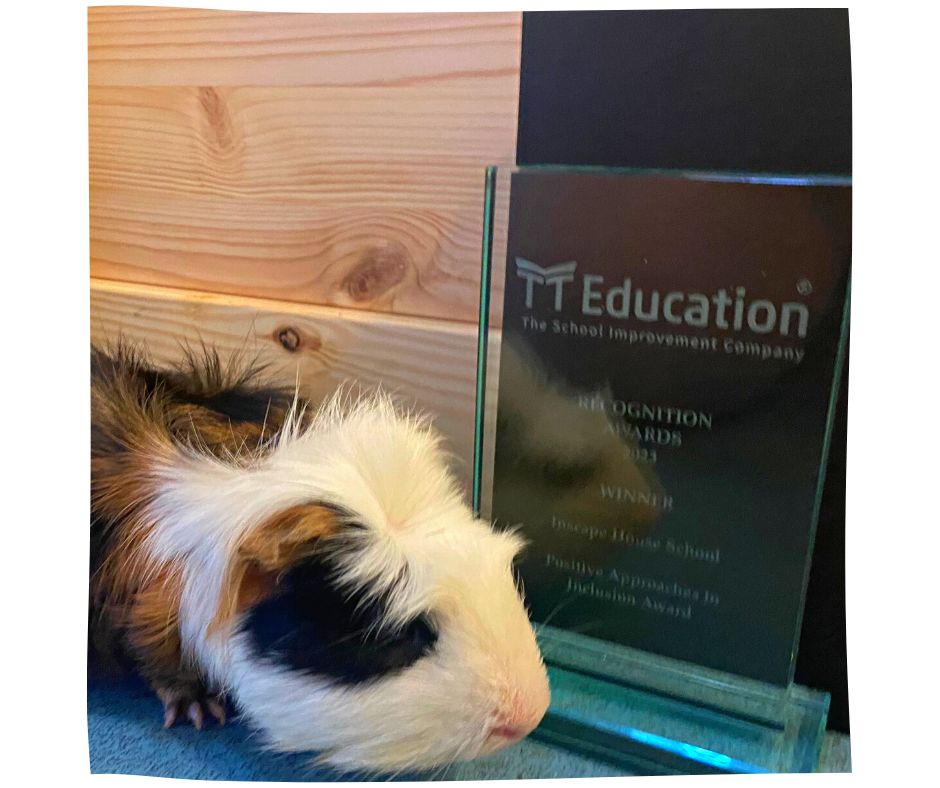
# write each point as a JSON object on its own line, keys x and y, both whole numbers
{"x": 316, "y": 566}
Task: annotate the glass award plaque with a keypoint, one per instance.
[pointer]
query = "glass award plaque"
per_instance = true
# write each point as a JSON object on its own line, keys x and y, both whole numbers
{"x": 658, "y": 360}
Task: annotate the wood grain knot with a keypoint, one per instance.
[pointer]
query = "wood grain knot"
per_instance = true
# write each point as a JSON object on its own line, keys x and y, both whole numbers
{"x": 379, "y": 269}
{"x": 289, "y": 339}
{"x": 220, "y": 122}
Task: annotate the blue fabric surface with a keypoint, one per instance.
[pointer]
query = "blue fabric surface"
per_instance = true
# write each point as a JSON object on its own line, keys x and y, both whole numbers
{"x": 125, "y": 736}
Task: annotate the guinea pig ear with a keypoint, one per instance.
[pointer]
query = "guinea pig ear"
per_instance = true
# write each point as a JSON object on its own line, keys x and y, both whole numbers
{"x": 269, "y": 549}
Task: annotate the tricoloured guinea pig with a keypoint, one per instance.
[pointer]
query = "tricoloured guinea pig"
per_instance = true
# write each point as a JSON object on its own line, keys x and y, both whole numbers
{"x": 318, "y": 567}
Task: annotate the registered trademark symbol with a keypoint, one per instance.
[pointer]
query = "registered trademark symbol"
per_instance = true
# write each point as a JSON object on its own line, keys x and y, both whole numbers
{"x": 804, "y": 287}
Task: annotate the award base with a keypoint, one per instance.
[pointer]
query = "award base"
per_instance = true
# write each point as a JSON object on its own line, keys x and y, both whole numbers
{"x": 654, "y": 715}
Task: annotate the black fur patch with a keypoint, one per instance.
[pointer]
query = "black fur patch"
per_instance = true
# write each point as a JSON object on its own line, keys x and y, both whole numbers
{"x": 311, "y": 626}
{"x": 251, "y": 405}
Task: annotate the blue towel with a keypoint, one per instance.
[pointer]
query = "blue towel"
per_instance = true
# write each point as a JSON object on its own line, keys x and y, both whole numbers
{"x": 125, "y": 736}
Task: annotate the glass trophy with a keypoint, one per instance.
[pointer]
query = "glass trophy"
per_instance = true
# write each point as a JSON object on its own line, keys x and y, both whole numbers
{"x": 658, "y": 360}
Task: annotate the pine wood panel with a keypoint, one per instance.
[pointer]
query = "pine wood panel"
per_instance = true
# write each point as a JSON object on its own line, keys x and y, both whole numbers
{"x": 174, "y": 46}
{"x": 427, "y": 363}
{"x": 271, "y": 205}
{"x": 342, "y": 147}
{"x": 323, "y": 158}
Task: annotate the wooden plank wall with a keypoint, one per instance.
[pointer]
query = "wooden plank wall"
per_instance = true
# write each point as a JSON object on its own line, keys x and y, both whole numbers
{"x": 308, "y": 185}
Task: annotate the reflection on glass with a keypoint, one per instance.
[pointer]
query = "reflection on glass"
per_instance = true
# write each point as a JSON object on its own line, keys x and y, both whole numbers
{"x": 663, "y": 350}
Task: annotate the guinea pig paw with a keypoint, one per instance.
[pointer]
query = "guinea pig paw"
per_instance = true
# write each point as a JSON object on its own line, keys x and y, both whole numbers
{"x": 193, "y": 706}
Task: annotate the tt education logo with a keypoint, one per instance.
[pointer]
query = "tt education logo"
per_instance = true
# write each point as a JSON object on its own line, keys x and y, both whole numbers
{"x": 721, "y": 309}
{"x": 557, "y": 275}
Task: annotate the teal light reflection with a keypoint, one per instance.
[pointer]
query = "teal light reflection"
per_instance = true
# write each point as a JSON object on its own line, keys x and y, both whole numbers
{"x": 693, "y": 753}
{"x": 689, "y": 752}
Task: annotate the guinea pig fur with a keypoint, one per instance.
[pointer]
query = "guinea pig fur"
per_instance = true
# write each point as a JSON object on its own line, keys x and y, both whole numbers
{"x": 318, "y": 567}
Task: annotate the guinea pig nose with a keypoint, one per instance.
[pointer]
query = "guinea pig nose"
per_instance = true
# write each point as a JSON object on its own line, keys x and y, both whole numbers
{"x": 510, "y": 732}
{"x": 519, "y": 717}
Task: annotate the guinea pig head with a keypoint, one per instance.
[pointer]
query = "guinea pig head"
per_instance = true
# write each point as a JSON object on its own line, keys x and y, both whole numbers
{"x": 368, "y": 615}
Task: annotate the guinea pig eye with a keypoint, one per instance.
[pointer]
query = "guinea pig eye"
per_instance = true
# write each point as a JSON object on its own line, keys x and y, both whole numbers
{"x": 421, "y": 633}
{"x": 417, "y": 637}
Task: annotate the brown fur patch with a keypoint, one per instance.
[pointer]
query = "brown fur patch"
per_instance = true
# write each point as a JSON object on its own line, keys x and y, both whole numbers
{"x": 153, "y": 626}
{"x": 218, "y": 435}
{"x": 142, "y": 420}
{"x": 268, "y": 550}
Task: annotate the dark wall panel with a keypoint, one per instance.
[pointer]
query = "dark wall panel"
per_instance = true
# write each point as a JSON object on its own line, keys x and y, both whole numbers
{"x": 760, "y": 90}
